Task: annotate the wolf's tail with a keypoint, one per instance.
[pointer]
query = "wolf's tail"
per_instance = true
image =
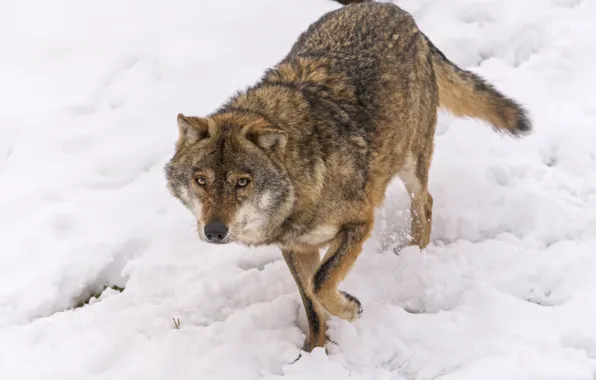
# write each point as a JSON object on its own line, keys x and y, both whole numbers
{"x": 466, "y": 94}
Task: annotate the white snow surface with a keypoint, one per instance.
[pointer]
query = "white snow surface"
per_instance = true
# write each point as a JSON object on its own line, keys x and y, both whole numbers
{"x": 90, "y": 91}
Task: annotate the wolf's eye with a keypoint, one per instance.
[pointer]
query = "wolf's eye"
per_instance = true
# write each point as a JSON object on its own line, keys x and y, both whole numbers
{"x": 242, "y": 182}
{"x": 201, "y": 181}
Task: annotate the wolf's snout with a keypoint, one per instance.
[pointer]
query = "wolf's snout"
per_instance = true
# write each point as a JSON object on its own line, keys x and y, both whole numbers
{"x": 215, "y": 231}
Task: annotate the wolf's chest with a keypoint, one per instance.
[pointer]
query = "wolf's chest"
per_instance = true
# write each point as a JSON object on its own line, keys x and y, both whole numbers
{"x": 318, "y": 235}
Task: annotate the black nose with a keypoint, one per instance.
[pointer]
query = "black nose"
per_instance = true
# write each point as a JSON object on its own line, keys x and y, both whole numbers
{"x": 216, "y": 231}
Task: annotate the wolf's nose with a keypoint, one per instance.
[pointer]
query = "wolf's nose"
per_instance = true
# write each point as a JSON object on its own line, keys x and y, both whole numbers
{"x": 216, "y": 231}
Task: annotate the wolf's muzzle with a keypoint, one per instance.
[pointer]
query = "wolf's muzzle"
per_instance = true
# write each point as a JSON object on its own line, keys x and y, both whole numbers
{"x": 215, "y": 231}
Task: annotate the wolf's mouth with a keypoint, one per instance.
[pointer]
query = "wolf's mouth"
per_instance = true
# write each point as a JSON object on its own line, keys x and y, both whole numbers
{"x": 221, "y": 242}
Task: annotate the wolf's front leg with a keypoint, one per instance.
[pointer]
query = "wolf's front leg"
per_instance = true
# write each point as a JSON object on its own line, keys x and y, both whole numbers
{"x": 336, "y": 264}
{"x": 302, "y": 265}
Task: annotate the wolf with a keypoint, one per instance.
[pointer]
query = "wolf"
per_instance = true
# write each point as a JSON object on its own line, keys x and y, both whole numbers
{"x": 302, "y": 158}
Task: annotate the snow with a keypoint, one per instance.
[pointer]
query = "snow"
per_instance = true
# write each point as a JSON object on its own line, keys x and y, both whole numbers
{"x": 90, "y": 92}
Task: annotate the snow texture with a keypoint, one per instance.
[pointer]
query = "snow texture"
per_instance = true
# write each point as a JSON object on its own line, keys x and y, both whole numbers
{"x": 90, "y": 91}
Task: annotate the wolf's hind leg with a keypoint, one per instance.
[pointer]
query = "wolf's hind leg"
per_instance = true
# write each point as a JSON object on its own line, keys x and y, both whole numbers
{"x": 302, "y": 266}
{"x": 339, "y": 259}
{"x": 414, "y": 175}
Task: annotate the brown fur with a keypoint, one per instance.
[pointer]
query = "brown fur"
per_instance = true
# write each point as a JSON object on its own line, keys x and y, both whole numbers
{"x": 347, "y": 2}
{"x": 320, "y": 137}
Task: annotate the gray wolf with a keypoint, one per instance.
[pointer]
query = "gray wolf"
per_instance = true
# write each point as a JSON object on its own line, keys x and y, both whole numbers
{"x": 302, "y": 158}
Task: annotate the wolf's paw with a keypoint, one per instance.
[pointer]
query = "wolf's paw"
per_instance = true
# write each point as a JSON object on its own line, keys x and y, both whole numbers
{"x": 343, "y": 305}
{"x": 354, "y": 307}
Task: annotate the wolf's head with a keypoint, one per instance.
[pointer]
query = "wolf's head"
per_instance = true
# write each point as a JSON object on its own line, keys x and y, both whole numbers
{"x": 228, "y": 171}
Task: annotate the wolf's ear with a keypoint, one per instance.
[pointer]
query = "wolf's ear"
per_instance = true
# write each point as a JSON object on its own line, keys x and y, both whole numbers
{"x": 192, "y": 129}
{"x": 266, "y": 137}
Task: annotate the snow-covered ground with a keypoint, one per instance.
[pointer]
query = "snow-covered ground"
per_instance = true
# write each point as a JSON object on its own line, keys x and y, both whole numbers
{"x": 89, "y": 92}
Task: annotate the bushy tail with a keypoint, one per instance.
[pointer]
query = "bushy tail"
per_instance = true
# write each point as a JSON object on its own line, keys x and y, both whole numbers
{"x": 466, "y": 94}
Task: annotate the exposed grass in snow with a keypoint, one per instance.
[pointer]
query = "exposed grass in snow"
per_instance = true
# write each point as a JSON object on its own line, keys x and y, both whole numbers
{"x": 95, "y": 295}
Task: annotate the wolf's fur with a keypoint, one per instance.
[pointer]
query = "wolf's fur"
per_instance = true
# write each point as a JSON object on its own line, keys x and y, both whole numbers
{"x": 353, "y": 105}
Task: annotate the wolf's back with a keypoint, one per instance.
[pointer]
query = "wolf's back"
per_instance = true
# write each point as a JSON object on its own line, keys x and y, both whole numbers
{"x": 460, "y": 91}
